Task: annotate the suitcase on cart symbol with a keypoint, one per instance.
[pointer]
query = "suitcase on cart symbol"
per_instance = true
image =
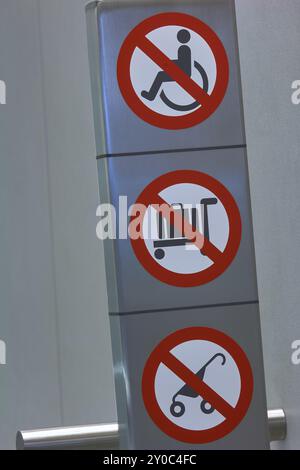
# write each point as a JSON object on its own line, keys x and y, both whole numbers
{"x": 171, "y": 241}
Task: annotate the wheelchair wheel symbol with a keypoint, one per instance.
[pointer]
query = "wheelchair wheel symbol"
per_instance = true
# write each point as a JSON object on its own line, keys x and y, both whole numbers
{"x": 195, "y": 104}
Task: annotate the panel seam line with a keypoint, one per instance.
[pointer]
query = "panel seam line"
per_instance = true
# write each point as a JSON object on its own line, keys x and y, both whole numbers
{"x": 177, "y": 309}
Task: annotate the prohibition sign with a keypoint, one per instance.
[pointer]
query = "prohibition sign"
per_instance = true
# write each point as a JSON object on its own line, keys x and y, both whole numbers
{"x": 208, "y": 102}
{"x": 165, "y": 355}
{"x": 221, "y": 260}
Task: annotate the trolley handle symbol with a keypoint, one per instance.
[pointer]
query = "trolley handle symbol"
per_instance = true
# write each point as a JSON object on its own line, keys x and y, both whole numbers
{"x": 171, "y": 240}
{"x": 177, "y": 408}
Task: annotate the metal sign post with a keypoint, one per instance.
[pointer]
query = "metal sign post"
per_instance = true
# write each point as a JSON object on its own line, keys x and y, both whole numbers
{"x": 183, "y": 297}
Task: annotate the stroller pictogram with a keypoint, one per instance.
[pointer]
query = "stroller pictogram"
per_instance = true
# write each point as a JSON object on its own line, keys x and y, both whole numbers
{"x": 177, "y": 408}
{"x": 171, "y": 240}
{"x": 184, "y": 62}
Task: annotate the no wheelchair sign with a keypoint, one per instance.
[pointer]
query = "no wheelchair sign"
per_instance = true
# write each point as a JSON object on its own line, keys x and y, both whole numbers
{"x": 173, "y": 71}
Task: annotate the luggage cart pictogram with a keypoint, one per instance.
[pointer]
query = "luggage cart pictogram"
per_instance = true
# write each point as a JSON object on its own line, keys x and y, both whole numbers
{"x": 171, "y": 240}
{"x": 177, "y": 408}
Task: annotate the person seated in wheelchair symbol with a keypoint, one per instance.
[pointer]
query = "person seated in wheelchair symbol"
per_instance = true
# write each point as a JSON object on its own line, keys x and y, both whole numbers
{"x": 184, "y": 62}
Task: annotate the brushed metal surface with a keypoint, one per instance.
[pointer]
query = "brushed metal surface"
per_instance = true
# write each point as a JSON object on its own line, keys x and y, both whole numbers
{"x": 106, "y": 436}
{"x": 118, "y": 129}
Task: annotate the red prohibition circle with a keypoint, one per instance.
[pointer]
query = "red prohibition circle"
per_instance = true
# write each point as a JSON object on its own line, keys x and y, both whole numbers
{"x": 157, "y": 357}
{"x": 136, "y": 104}
{"x": 235, "y": 229}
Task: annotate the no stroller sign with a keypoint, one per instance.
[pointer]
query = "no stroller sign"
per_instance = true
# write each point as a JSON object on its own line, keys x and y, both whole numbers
{"x": 197, "y": 385}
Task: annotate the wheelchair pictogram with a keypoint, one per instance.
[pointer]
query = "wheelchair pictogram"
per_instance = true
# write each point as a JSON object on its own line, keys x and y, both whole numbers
{"x": 185, "y": 62}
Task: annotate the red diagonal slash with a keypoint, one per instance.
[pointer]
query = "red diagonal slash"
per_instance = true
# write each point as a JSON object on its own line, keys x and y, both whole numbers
{"x": 194, "y": 382}
{"x": 204, "y": 245}
{"x": 191, "y": 87}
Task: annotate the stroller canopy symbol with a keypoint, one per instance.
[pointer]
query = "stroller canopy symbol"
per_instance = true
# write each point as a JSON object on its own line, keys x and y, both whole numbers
{"x": 177, "y": 408}
{"x": 184, "y": 62}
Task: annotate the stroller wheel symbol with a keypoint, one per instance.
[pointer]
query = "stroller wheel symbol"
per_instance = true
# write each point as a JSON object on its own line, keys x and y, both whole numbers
{"x": 177, "y": 408}
{"x": 206, "y": 407}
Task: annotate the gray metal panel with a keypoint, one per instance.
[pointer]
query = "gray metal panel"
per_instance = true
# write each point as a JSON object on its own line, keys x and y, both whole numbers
{"x": 127, "y": 133}
{"x": 269, "y": 37}
{"x": 133, "y": 290}
{"x": 137, "y": 289}
{"x": 144, "y": 332}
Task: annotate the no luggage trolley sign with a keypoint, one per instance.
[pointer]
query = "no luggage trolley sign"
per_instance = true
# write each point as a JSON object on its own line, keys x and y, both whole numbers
{"x": 197, "y": 385}
{"x": 198, "y": 228}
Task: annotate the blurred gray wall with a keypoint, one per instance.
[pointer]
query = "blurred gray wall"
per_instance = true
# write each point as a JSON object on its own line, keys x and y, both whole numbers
{"x": 269, "y": 37}
{"x": 53, "y": 306}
